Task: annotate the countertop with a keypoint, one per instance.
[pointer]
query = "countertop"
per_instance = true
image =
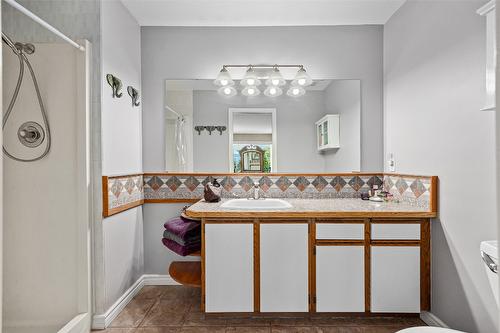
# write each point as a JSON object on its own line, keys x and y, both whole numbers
{"x": 314, "y": 208}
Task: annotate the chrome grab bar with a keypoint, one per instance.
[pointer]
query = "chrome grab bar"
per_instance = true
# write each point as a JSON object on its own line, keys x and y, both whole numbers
{"x": 489, "y": 262}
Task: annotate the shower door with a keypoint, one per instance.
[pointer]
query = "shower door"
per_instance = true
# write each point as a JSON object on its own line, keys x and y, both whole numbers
{"x": 46, "y": 250}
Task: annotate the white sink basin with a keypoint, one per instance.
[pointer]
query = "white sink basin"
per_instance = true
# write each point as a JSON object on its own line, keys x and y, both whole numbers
{"x": 261, "y": 204}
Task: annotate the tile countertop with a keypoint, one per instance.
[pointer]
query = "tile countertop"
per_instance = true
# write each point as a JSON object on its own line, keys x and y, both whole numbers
{"x": 314, "y": 208}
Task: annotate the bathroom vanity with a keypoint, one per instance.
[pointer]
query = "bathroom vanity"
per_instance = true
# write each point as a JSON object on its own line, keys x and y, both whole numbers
{"x": 320, "y": 255}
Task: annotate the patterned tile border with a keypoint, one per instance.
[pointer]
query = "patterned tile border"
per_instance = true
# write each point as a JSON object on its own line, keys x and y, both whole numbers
{"x": 124, "y": 192}
{"x": 121, "y": 193}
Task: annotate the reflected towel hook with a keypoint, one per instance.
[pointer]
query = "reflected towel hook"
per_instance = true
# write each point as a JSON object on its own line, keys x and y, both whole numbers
{"x": 220, "y": 129}
{"x": 199, "y": 129}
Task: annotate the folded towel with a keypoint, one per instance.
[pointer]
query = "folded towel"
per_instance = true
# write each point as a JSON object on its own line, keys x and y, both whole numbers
{"x": 187, "y": 241}
{"x": 182, "y": 227}
{"x": 179, "y": 249}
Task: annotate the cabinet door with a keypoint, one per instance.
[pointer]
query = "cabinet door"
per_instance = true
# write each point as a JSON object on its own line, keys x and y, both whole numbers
{"x": 340, "y": 279}
{"x": 229, "y": 267}
{"x": 284, "y": 268}
{"x": 395, "y": 279}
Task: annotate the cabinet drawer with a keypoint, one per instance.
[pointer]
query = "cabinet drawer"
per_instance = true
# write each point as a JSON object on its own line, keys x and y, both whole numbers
{"x": 410, "y": 231}
{"x": 340, "y": 231}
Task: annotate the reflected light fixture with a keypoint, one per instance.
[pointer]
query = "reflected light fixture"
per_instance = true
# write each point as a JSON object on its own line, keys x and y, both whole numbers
{"x": 273, "y": 91}
{"x": 275, "y": 78}
{"x": 302, "y": 78}
{"x": 227, "y": 91}
{"x": 224, "y": 78}
{"x": 296, "y": 91}
{"x": 251, "y": 91}
{"x": 251, "y": 78}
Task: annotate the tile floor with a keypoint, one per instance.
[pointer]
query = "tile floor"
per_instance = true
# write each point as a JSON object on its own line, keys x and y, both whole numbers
{"x": 169, "y": 309}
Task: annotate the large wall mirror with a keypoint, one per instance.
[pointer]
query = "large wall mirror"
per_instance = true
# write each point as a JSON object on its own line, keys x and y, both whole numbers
{"x": 206, "y": 131}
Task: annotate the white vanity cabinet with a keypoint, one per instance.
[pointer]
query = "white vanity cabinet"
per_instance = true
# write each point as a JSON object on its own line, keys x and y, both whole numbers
{"x": 395, "y": 279}
{"x": 229, "y": 282}
{"x": 340, "y": 279}
{"x": 284, "y": 268}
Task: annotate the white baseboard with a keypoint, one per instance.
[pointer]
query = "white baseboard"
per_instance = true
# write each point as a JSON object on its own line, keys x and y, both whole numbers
{"x": 432, "y": 320}
{"x": 100, "y": 322}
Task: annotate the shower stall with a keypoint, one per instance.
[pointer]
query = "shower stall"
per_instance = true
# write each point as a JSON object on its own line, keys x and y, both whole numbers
{"x": 46, "y": 184}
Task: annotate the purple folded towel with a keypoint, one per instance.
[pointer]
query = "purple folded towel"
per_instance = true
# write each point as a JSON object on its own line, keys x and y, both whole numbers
{"x": 179, "y": 249}
{"x": 182, "y": 227}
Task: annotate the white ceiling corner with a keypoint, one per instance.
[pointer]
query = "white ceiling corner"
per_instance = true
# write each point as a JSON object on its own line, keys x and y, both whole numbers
{"x": 261, "y": 12}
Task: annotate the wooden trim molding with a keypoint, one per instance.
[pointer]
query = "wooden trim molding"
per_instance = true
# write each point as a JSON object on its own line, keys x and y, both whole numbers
{"x": 105, "y": 197}
{"x": 256, "y": 266}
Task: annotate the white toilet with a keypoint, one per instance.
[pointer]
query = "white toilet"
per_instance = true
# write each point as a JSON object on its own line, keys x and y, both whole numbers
{"x": 489, "y": 254}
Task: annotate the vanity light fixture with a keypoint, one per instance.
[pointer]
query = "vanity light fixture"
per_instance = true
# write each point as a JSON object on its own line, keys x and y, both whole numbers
{"x": 251, "y": 91}
{"x": 224, "y": 78}
{"x": 227, "y": 91}
{"x": 256, "y": 74}
{"x": 273, "y": 91}
{"x": 296, "y": 91}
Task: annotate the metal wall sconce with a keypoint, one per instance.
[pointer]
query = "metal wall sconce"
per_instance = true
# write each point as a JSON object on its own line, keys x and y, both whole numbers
{"x": 210, "y": 129}
{"x": 134, "y": 94}
{"x": 116, "y": 85}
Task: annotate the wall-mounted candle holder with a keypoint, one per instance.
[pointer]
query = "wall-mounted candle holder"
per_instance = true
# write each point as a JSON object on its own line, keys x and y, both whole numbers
{"x": 134, "y": 95}
{"x": 116, "y": 85}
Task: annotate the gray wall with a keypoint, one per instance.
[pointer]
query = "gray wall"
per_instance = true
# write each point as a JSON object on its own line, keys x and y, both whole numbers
{"x": 295, "y": 118}
{"x": 340, "y": 52}
{"x": 122, "y": 248}
{"x": 343, "y": 97}
{"x": 434, "y": 63}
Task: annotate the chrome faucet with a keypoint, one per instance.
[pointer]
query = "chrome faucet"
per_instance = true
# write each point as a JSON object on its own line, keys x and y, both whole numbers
{"x": 256, "y": 190}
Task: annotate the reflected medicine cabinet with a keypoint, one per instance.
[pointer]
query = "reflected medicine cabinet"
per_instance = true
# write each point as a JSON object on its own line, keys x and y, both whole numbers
{"x": 328, "y": 132}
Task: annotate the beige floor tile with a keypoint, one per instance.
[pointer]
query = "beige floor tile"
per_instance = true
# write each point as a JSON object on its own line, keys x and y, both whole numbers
{"x": 158, "y": 329}
{"x": 203, "y": 329}
{"x": 133, "y": 313}
{"x": 293, "y": 329}
{"x": 149, "y": 292}
{"x": 200, "y": 319}
{"x": 246, "y": 329}
{"x": 158, "y": 317}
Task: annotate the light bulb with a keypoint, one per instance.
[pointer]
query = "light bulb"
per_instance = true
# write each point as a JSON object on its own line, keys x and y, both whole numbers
{"x": 301, "y": 81}
{"x": 275, "y": 82}
{"x": 224, "y": 82}
{"x": 250, "y": 82}
{"x": 295, "y": 91}
{"x": 272, "y": 91}
{"x": 251, "y": 91}
{"x": 227, "y": 91}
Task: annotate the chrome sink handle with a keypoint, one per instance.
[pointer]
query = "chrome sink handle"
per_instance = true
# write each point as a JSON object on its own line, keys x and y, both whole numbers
{"x": 489, "y": 262}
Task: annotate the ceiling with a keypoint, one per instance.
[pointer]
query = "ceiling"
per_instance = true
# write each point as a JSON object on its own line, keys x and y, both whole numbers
{"x": 261, "y": 12}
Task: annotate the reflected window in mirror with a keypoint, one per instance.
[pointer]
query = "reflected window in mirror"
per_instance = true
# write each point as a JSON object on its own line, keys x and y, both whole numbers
{"x": 252, "y": 139}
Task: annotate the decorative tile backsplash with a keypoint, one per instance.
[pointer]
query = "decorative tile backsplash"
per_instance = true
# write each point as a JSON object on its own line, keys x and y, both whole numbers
{"x": 186, "y": 186}
{"x": 124, "y": 192}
